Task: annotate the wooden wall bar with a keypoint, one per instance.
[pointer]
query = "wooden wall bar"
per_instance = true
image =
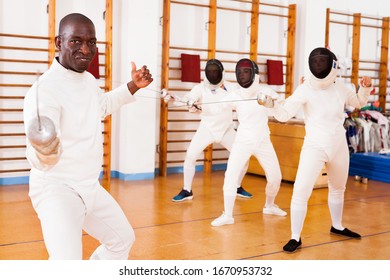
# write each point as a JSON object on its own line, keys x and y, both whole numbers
{"x": 52, "y": 29}
{"x": 164, "y": 84}
{"x": 106, "y": 180}
{"x": 254, "y": 36}
{"x": 212, "y": 34}
{"x": 356, "y": 49}
{"x": 292, "y": 14}
{"x": 384, "y": 64}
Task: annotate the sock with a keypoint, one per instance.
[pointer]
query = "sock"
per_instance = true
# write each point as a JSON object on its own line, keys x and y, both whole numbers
{"x": 336, "y": 205}
{"x": 228, "y": 201}
{"x": 269, "y": 201}
{"x": 189, "y": 173}
{"x": 298, "y": 215}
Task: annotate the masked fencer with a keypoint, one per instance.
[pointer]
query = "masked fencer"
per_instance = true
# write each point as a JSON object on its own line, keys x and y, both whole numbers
{"x": 64, "y": 187}
{"x": 322, "y": 99}
{"x": 216, "y": 126}
{"x": 252, "y": 139}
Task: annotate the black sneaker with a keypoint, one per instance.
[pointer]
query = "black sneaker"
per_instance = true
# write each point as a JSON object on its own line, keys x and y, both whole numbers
{"x": 345, "y": 232}
{"x": 183, "y": 195}
{"x": 243, "y": 193}
{"x": 292, "y": 246}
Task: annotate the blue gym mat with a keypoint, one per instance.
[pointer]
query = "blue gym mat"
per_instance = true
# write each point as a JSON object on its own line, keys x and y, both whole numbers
{"x": 373, "y": 166}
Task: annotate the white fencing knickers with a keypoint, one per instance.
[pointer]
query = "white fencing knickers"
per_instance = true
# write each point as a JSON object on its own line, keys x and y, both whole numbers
{"x": 240, "y": 154}
{"x": 311, "y": 162}
{"x": 65, "y": 211}
{"x": 202, "y": 138}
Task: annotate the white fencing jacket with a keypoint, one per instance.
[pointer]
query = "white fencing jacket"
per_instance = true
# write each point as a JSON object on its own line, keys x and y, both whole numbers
{"x": 214, "y": 116}
{"x": 77, "y": 107}
{"x": 252, "y": 117}
{"x": 323, "y": 109}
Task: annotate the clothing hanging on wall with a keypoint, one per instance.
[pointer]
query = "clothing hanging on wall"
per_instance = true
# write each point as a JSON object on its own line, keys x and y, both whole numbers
{"x": 367, "y": 131}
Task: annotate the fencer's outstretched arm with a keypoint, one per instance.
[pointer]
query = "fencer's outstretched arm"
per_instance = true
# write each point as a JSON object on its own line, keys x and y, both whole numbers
{"x": 286, "y": 109}
{"x": 360, "y": 99}
{"x": 189, "y": 99}
{"x": 266, "y": 97}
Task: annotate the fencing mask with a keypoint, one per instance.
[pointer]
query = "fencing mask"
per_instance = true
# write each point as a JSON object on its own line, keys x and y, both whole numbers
{"x": 323, "y": 67}
{"x": 214, "y": 71}
{"x": 246, "y": 71}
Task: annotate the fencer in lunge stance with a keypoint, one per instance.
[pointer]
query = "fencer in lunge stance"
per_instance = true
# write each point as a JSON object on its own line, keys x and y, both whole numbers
{"x": 322, "y": 99}
{"x": 64, "y": 186}
{"x": 253, "y": 138}
{"x": 216, "y": 126}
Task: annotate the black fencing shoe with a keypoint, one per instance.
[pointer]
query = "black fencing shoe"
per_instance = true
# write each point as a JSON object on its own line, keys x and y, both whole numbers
{"x": 292, "y": 246}
{"x": 183, "y": 195}
{"x": 345, "y": 232}
{"x": 243, "y": 193}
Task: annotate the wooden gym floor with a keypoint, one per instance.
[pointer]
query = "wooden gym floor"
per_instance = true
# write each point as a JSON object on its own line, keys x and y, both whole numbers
{"x": 181, "y": 231}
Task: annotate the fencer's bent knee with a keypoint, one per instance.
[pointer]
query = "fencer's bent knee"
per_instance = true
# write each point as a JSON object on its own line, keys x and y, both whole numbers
{"x": 301, "y": 197}
{"x": 230, "y": 184}
{"x": 275, "y": 177}
{"x": 336, "y": 194}
{"x": 229, "y": 190}
{"x": 127, "y": 240}
{"x": 190, "y": 160}
{"x": 274, "y": 181}
{"x": 119, "y": 249}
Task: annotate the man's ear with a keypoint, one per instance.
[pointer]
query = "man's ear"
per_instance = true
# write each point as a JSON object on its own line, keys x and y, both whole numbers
{"x": 57, "y": 41}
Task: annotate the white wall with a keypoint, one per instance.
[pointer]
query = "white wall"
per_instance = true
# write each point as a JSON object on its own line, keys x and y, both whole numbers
{"x": 135, "y": 131}
{"x": 33, "y": 13}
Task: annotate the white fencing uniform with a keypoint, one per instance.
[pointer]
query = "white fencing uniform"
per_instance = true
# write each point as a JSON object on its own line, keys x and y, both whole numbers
{"x": 325, "y": 142}
{"x": 216, "y": 126}
{"x": 67, "y": 196}
{"x": 253, "y": 138}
